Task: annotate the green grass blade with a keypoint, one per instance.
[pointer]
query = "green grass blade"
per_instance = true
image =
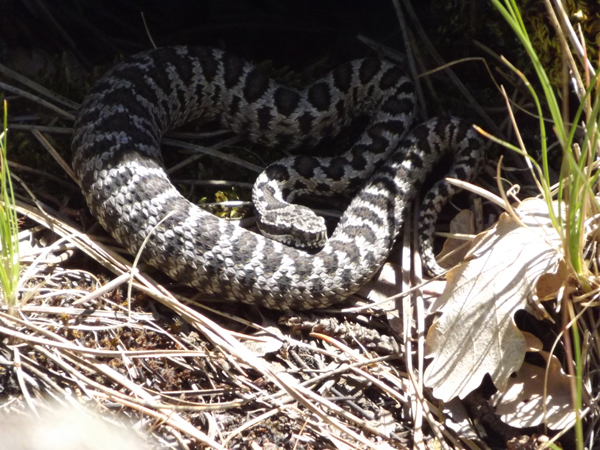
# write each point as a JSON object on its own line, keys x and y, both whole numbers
{"x": 9, "y": 229}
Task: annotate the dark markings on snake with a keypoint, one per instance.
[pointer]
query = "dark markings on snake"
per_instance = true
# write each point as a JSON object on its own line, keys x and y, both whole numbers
{"x": 278, "y": 172}
{"x": 286, "y": 101}
{"x": 286, "y": 141}
{"x": 305, "y": 122}
{"x": 390, "y": 78}
{"x": 265, "y": 116}
{"x": 368, "y": 69}
{"x": 397, "y": 105}
{"x": 319, "y": 96}
{"x": 210, "y": 66}
{"x": 340, "y": 107}
{"x": 336, "y": 169}
{"x": 233, "y": 69}
{"x": 299, "y": 185}
{"x": 235, "y": 106}
{"x": 184, "y": 68}
{"x": 256, "y": 85}
{"x": 342, "y": 77}
{"x": 378, "y": 142}
{"x": 329, "y": 130}
{"x": 306, "y": 166}
{"x": 370, "y": 90}
{"x": 323, "y": 187}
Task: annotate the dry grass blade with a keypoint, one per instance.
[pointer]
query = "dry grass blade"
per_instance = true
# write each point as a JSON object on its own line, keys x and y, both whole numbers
{"x": 38, "y": 88}
{"x": 455, "y": 79}
{"x": 35, "y": 99}
{"x": 66, "y": 167}
{"x": 213, "y": 152}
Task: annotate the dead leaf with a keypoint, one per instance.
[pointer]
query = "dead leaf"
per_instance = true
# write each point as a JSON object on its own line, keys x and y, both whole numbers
{"x": 476, "y": 334}
{"x": 264, "y": 342}
{"x": 458, "y": 419}
{"x": 524, "y": 442}
{"x": 384, "y": 285}
{"x": 463, "y": 223}
{"x": 549, "y": 283}
{"x": 532, "y": 343}
{"x": 522, "y": 405}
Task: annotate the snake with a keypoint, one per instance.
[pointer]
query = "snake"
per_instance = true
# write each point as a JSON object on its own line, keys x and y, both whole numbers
{"x": 119, "y": 166}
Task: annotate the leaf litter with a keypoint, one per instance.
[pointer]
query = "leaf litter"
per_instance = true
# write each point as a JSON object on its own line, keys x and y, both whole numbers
{"x": 476, "y": 334}
{"x": 533, "y": 397}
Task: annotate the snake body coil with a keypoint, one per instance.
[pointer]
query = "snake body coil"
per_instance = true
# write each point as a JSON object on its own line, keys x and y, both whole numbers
{"x": 117, "y": 160}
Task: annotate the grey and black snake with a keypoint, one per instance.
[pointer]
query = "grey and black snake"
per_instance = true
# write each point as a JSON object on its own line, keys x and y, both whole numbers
{"x": 118, "y": 163}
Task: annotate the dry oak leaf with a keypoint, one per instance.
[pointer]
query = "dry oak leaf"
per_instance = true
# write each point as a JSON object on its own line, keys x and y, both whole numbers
{"x": 455, "y": 250}
{"x": 476, "y": 333}
{"x": 523, "y": 404}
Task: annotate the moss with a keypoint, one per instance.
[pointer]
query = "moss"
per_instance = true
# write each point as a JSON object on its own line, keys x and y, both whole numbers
{"x": 545, "y": 41}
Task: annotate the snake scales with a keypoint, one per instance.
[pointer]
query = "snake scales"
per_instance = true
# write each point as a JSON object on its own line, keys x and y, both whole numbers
{"x": 117, "y": 160}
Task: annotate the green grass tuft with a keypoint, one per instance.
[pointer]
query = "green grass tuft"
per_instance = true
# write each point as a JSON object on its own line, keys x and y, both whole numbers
{"x": 9, "y": 230}
{"x": 575, "y": 192}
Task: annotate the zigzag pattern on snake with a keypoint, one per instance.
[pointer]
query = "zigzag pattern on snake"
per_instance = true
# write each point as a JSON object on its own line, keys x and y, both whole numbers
{"x": 118, "y": 163}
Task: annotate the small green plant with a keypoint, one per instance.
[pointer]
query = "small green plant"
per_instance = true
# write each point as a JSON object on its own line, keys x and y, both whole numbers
{"x": 575, "y": 189}
{"x": 575, "y": 193}
{"x": 9, "y": 231}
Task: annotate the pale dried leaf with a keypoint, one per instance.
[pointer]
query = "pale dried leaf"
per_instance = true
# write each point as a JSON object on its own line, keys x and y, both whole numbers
{"x": 264, "y": 342}
{"x": 386, "y": 283}
{"x": 550, "y": 283}
{"x": 522, "y": 405}
{"x": 463, "y": 223}
{"x": 476, "y": 334}
{"x": 457, "y": 418}
{"x": 532, "y": 343}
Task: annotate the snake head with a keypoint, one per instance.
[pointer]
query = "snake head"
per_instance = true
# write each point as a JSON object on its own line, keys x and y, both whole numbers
{"x": 294, "y": 225}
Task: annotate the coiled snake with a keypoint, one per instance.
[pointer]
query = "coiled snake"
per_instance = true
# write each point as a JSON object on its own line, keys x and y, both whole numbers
{"x": 117, "y": 160}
